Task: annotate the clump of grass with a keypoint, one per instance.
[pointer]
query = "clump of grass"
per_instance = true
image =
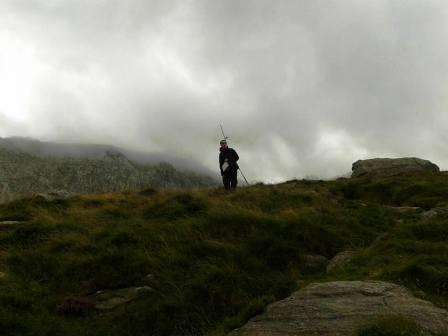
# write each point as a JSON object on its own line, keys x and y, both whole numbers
{"x": 426, "y": 191}
{"x": 177, "y": 206}
{"x": 254, "y": 308}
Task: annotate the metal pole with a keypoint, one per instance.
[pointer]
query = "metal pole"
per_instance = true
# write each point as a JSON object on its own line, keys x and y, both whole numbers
{"x": 243, "y": 176}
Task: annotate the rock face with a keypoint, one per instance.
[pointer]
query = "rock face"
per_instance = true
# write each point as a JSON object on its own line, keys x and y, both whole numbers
{"x": 392, "y": 167}
{"x": 341, "y": 309}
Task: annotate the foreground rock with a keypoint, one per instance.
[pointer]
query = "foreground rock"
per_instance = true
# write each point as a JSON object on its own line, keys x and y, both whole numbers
{"x": 341, "y": 309}
{"x": 392, "y": 167}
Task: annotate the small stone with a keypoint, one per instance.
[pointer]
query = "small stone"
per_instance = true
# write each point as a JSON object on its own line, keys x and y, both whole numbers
{"x": 10, "y": 224}
{"x": 314, "y": 262}
{"x": 405, "y": 209}
{"x": 109, "y": 299}
{"x": 381, "y": 237}
{"x": 435, "y": 212}
{"x": 76, "y": 306}
{"x": 340, "y": 260}
{"x": 143, "y": 289}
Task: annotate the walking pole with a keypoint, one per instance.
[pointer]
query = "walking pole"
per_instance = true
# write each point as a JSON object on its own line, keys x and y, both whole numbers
{"x": 225, "y": 138}
{"x": 243, "y": 176}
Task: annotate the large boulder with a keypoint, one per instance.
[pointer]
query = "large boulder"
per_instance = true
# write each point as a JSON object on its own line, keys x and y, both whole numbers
{"x": 342, "y": 308}
{"x": 392, "y": 167}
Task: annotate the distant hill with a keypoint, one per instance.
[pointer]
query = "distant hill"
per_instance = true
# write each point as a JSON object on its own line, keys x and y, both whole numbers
{"x": 97, "y": 151}
{"x": 21, "y": 172}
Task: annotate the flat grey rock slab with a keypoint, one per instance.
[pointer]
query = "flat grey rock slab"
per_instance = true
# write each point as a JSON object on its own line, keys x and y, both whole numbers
{"x": 342, "y": 308}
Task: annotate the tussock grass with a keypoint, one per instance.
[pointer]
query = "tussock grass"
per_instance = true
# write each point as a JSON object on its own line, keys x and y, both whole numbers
{"x": 215, "y": 259}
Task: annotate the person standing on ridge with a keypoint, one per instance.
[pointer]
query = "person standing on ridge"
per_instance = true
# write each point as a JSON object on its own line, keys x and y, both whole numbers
{"x": 228, "y": 166}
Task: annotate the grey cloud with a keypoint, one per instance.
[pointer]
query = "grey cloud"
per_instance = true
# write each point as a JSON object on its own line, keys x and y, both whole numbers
{"x": 302, "y": 87}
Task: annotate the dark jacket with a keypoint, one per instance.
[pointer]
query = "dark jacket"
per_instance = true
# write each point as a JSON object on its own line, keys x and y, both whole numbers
{"x": 232, "y": 157}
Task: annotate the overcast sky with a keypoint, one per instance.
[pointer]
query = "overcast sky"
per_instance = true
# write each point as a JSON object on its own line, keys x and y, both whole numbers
{"x": 302, "y": 87}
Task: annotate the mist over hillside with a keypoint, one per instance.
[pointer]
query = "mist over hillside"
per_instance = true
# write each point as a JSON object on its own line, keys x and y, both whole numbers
{"x": 97, "y": 151}
{"x": 22, "y": 173}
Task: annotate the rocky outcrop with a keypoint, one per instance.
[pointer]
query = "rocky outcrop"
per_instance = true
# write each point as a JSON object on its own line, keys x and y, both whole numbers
{"x": 392, "y": 167}
{"x": 341, "y": 309}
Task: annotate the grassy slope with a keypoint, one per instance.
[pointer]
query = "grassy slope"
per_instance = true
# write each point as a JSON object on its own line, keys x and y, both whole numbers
{"x": 217, "y": 259}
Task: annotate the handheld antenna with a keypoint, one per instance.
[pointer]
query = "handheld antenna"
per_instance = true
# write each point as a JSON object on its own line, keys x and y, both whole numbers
{"x": 222, "y": 131}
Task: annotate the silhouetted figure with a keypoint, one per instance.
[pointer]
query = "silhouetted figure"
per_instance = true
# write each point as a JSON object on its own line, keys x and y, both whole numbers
{"x": 228, "y": 166}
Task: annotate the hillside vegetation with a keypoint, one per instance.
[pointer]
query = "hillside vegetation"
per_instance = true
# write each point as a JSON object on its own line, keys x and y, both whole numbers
{"x": 24, "y": 173}
{"x": 212, "y": 260}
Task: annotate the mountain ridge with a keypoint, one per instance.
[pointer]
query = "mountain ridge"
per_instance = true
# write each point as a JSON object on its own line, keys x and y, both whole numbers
{"x": 97, "y": 151}
{"x": 21, "y": 172}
